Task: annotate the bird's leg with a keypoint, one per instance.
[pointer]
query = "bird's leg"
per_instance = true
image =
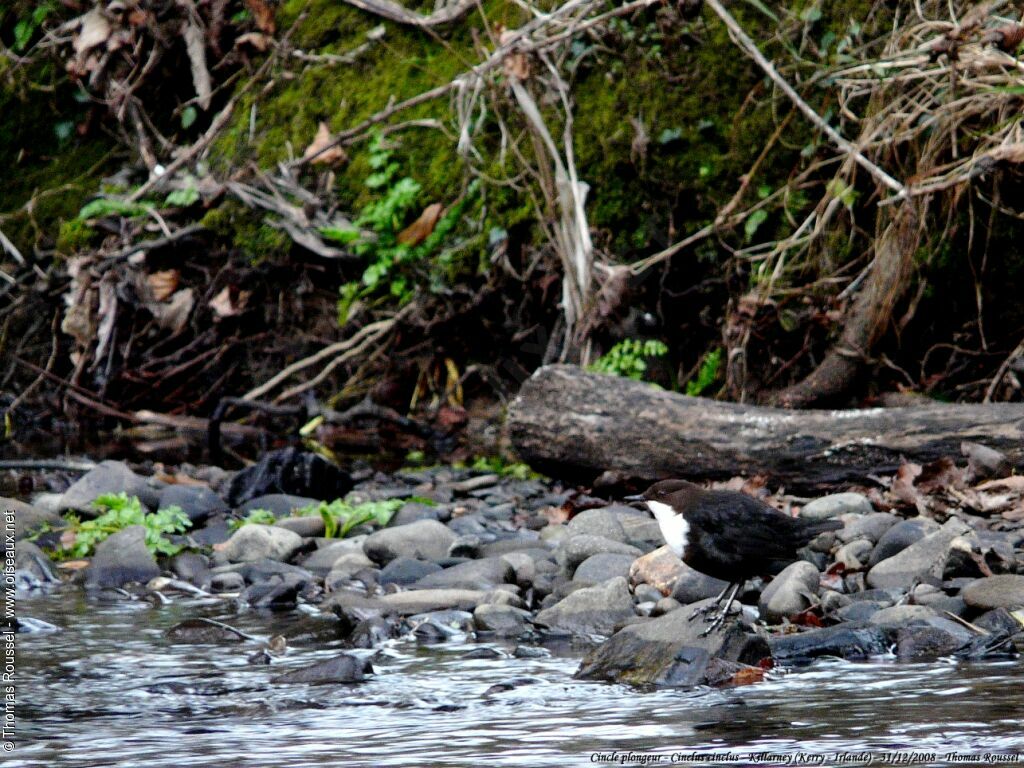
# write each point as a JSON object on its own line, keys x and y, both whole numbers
{"x": 725, "y": 612}
{"x": 710, "y": 606}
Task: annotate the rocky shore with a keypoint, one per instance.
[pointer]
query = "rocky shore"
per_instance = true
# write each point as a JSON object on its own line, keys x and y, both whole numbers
{"x": 531, "y": 562}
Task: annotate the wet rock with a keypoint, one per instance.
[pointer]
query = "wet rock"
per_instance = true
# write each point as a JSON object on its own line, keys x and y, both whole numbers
{"x": 279, "y": 593}
{"x": 671, "y": 576}
{"x": 321, "y": 560}
{"x": 255, "y": 542}
{"x": 871, "y": 527}
{"x": 899, "y": 615}
{"x": 307, "y": 526}
{"x": 846, "y": 641}
{"x": 922, "y": 643}
{"x": 984, "y": 462}
{"x": 345, "y": 668}
{"x": 793, "y": 591}
{"x": 576, "y": 549}
{"x": 424, "y": 540}
{"x": 925, "y": 558}
{"x": 196, "y": 501}
{"x": 835, "y": 505}
{"x": 474, "y": 574}
{"x": 191, "y": 567}
{"x": 226, "y": 582}
{"x": 598, "y": 522}
{"x": 441, "y": 626}
{"x": 290, "y": 471}
{"x": 29, "y": 519}
{"x": 483, "y": 653}
{"x": 108, "y": 477}
{"x": 216, "y": 531}
{"x": 411, "y": 603}
{"x": 1004, "y": 591}
{"x": 860, "y": 611}
{"x": 120, "y": 559}
{"x": 1002, "y": 623}
{"x": 900, "y": 536}
{"x": 501, "y": 620}
{"x": 412, "y": 511}
{"x": 524, "y": 567}
{"x": 597, "y": 569}
{"x": 855, "y": 555}
{"x": 345, "y": 569}
{"x": 373, "y": 631}
{"x": 26, "y": 625}
{"x": 591, "y": 610}
{"x": 205, "y": 631}
{"x": 669, "y": 650}
{"x": 666, "y": 605}
{"x": 406, "y": 570}
{"x": 32, "y": 568}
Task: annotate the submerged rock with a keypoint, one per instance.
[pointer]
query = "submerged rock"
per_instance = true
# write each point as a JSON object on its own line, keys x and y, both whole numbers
{"x": 502, "y": 620}
{"x": 851, "y": 640}
{"x": 32, "y": 568}
{"x": 120, "y": 559}
{"x": 670, "y": 650}
{"x": 205, "y": 631}
{"x": 345, "y": 668}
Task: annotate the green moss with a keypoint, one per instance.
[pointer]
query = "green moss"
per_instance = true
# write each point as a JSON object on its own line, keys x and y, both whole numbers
{"x": 74, "y": 235}
{"x": 245, "y": 229}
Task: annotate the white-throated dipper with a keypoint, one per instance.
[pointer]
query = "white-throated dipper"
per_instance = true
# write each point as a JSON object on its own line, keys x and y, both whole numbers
{"x": 727, "y": 534}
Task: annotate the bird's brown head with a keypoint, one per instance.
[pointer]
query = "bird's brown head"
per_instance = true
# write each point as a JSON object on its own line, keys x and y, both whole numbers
{"x": 664, "y": 491}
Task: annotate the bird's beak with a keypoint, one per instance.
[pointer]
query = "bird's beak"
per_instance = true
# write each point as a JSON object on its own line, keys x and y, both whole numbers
{"x": 637, "y": 497}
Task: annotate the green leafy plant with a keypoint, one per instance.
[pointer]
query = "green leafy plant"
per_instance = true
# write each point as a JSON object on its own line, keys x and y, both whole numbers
{"x": 628, "y": 358}
{"x": 340, "y": 516}
{"x": 255, "y": 517}
{"x": 375, "y": 234}
{"x": 122, "y": 511}
{"x": 110, "y": 206}
{"x": 499, "y": 466}
{"x": 707, "y": 375}
{"x": 27, "y": 26}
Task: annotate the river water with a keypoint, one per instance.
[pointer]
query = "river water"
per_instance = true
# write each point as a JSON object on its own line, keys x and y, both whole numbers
{"x": 112, "y": 690}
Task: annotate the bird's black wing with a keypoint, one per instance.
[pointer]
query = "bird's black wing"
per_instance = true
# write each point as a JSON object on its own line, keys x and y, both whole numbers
{"x": 741, "y": 526}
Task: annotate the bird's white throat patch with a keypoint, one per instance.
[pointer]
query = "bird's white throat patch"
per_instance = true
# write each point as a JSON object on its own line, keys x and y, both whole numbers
{"x": 674, "y": 528}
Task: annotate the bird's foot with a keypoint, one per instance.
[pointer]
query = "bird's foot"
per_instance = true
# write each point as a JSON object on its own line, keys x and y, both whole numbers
{"x": 716, "y": 623}
{"x": 705, "y": 611}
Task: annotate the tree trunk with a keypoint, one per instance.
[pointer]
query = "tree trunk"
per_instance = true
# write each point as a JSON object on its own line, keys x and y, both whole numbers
{"x": 575, "y": 424}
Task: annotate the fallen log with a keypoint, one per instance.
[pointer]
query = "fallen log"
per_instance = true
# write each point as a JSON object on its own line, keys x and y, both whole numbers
{"x": 571, "y": 423}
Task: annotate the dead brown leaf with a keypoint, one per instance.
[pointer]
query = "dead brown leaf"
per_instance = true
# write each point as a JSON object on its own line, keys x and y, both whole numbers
{"x": 748, "y": 675}
{"x": 229, "y": 303}
{"x": 420, "y": 229}
{"x": 939, "y": 475}
{"x": 322, "y": 150}
{"x": 195, "y": 46}
{"x": 94, "y": 31}
{"x": 255, "y": 40}
{"x": 903, "y": 484}
{"x": 263, "y": 15}
{"x": 163, "y": 283}
{"x": 73, "y": 565}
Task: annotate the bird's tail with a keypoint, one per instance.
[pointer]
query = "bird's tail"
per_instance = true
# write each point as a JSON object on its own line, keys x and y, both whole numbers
{"x": 808, "y": 529}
